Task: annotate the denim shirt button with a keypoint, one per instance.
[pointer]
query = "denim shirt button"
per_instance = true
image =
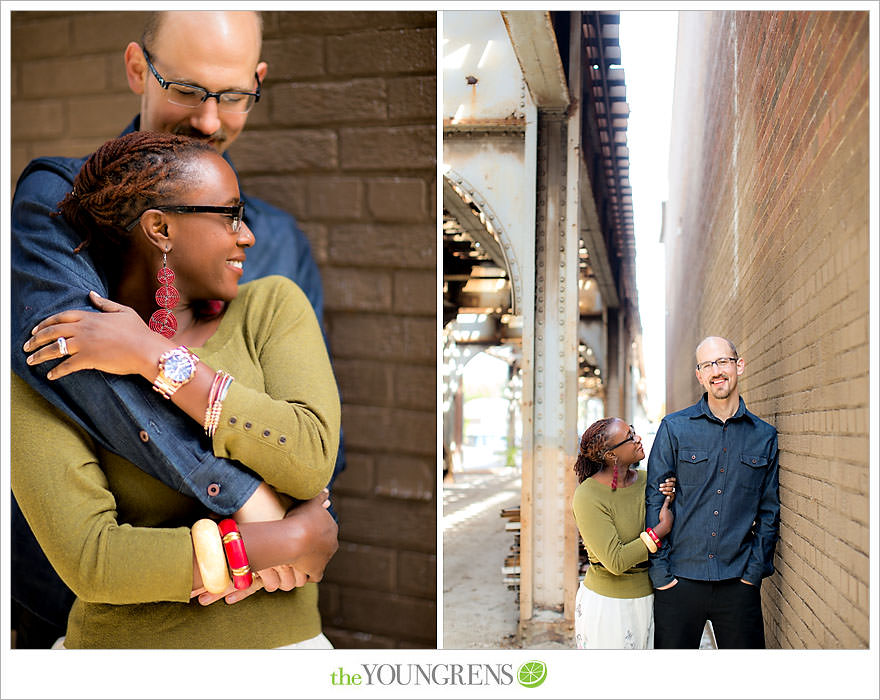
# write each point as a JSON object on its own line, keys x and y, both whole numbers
{"x": 214, "y": 489}
{"x": 716, "y": 512}
{"x": 713, "y": 534}
{"x": 693, "y": 456}
{"x": 711, "y": 556}
{"x": 718, "y": 491}
{"x": 144, "y": 436}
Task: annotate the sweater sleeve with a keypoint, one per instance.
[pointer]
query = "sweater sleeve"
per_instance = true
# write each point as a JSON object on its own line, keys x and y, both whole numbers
{"x": 64, "y": 495}
{"x": 287, "y": 431}
{"x": 595, "y": 522}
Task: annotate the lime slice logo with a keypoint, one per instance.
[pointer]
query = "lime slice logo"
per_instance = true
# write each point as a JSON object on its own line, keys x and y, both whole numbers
{"x": 531, "y": 674}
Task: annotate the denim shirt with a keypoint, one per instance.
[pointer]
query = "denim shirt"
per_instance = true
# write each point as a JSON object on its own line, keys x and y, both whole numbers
{"x": 726, "y": 503}
{"x": 123, "y": 413}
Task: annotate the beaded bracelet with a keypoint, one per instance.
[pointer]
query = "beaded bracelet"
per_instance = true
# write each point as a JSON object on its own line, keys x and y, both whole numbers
{"x": 235, "y": 554}
{"x": 210, "y": 558}
{"x": 653, "y": 536}
{"x": 219, "y": 389}
{"x": 649, "y": 543}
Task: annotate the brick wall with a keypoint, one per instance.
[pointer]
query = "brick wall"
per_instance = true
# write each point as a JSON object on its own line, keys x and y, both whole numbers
{"x": 345, "y": 140}
{"x": 767, "y": 244}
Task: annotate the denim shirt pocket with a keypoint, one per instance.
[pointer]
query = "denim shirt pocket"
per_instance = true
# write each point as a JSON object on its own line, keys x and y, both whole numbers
{"x": 692, "y": 465}
{"x": 751, "y": 476}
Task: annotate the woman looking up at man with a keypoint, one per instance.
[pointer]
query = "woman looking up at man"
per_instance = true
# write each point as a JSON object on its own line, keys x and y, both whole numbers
{"x": 614, "y": 608}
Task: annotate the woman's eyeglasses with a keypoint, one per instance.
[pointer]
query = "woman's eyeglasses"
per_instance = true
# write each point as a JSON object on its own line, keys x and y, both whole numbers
{"x": 629, "y": 438}
{"x": 236, "y": 212}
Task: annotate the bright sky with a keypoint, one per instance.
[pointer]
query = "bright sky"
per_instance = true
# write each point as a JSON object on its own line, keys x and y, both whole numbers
{"x": 647, "y": 45}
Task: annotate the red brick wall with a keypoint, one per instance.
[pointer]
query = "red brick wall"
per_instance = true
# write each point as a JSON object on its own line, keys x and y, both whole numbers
{"x": 345, "y": 140}
{"x": 767, "y": 244}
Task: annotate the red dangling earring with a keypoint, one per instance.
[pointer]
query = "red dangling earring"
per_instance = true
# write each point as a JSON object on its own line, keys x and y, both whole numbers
{"x": 162, "y": 321}
{"x": 614, "y": 478}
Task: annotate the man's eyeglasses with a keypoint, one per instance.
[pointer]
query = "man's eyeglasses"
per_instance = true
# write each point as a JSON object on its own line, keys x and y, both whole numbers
{"x": 629, "y": 438}
{"x": 721, "y": 363}
{"x": 191, "y": 96}
{"x": 236, "y": 212}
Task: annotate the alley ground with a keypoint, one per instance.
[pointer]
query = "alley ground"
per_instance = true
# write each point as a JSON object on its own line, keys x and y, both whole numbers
{"x": 479, "y": 612}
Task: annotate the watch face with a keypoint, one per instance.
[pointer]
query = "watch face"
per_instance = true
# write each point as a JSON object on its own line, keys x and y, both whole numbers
{"x": 179, "y": 367}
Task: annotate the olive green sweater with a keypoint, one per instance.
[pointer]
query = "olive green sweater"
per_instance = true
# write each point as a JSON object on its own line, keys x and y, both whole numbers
{"x": 610, "y": 523}
{"x": 120, "y": 538}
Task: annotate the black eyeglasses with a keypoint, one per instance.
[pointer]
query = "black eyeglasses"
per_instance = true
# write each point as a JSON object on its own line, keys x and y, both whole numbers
{"x": 191, "y": 96}
{"x": 720, "y": 363}
{"x": 630, "y": 438}
{"x": 236, "y": 212}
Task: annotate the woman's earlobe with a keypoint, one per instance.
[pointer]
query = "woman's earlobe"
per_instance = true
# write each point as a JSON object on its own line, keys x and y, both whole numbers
{"x": 155, "y": 228}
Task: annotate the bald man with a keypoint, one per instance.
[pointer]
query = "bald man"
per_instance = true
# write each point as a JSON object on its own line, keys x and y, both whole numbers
{"x": 197, "y": 74}
{"x": 726, "y": 459}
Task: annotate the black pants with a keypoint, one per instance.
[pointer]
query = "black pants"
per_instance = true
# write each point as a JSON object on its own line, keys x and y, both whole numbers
{"x": 734, "y": 607}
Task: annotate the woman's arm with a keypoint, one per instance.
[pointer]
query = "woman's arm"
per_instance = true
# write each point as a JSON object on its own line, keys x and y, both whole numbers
{"x": 599, "y": 533}
{"x": 286, "y": 430}
{"x": 65, "y": 496}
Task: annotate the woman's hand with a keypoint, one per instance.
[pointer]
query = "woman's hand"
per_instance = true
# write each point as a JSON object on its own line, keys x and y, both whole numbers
{"x": 664, "y": 527}
{"x": 116, "y": 341}
{"x": 320, "y": 535}
{"x": 318, "y": 532}
{"x": 667, "y": 487}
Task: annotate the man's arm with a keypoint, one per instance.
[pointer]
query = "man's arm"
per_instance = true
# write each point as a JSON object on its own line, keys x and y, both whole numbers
{"x": 661, "y": 461}
{"x": 119, "y": 412}
{"x": 766, "y": 528}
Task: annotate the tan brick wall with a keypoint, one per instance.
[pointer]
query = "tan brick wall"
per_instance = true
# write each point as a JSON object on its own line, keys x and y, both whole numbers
{"x": 767, "y": 244}
{"x": 345, "y": 140}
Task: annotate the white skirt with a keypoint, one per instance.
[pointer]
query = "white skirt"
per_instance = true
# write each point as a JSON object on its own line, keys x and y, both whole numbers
{"x": 613, "y": 623}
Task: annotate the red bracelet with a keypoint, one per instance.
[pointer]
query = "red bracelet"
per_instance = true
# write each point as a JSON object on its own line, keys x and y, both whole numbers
{"x": 235, "y": 554}
{"x": 654, "y": 537}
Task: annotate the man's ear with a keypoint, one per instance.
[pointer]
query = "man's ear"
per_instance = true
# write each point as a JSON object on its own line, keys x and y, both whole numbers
{"x": 135, "y": 68}
{"x": 740, "y": 366}
{"x": 262, "y": 69}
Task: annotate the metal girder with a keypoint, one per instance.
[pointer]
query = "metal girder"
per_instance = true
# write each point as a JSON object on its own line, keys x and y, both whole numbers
{"x": 534, "y": 43}
{"x": 591, "y": 232}
{"x": 471, "y": 224}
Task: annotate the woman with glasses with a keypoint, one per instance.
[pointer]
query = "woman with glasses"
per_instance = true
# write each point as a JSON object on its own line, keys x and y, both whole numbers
{"x": 162, "y": 218}
{"x": 615, "y": 602}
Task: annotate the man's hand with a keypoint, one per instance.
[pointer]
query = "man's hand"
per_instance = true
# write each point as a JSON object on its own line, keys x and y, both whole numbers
{"x": 263, "y": 504}
{"x": 668, "y": 585}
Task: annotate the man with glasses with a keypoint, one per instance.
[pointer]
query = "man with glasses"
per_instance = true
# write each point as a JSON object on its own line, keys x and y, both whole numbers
{"x": 198, "y": 74}
{"x": 726, "y": 459}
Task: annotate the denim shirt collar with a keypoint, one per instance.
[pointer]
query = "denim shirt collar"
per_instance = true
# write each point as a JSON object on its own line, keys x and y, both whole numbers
{"x": 703, "y": 411}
